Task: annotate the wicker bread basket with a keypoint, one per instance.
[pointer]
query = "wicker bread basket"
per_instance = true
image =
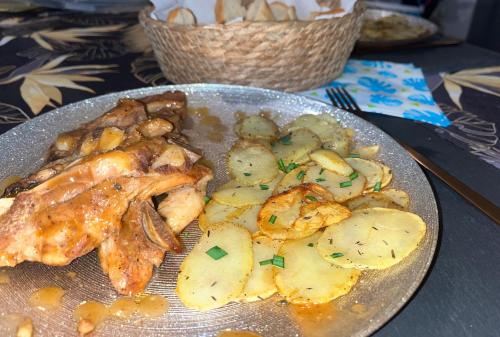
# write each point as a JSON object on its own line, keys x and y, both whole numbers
{"x": 289, "y": 56}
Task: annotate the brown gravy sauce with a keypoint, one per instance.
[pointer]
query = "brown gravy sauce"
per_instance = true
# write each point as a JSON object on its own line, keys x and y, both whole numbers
{"x": 90, "y": 314}
{"x": 48, "y": 298}
{"x": 314, "y": 320}
{"x": 211, "y": 126}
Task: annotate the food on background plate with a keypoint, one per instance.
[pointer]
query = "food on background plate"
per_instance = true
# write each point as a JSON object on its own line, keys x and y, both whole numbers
{"x": 388, "y": 28}
{"x": 97, "y": 190}
{"x": 318, "y": 217}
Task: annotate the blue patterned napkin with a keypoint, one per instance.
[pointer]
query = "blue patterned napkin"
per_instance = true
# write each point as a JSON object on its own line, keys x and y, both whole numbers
{"x": 394, "y": 89}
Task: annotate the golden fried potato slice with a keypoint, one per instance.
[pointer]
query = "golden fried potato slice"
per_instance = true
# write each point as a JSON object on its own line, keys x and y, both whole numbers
{"x": 399, "y": 197}
{"x": 340, "y": 143}
{"x": 242, "y": 196}
{"x": 215, "y": 212}
{"x": 205, "y": 282}
{"x": 252, "y": 164}
{"x": 261, "y": 285}
{"x": 307, "y": 278}
{"x": 331, "y": 161}
{"x": 248, "y": 218}
{"x": 332, "y": 182}
{"x": 256, "y": 127}
{"x": 367, "y": 152}
{"x": 324, "y": 125}
{"x": 386, "y": 176}
{"x": 373, "y": 199}
{"x": 299, "y": 212}
{"x": 299, "y": 143}
{"x": 293, "y": 178}
{"x": 373, "y": 238}
{"x": 371, "y": 170}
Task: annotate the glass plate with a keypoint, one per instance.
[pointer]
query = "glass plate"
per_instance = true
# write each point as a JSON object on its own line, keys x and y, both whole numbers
{"x": 373, "y": 301}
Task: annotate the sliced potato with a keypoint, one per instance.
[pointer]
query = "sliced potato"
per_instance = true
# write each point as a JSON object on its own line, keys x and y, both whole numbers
{"x": 300, "y": 143}
{"x": 261, "y": 285}
{"x": 242, "y": 196}
{"x": 256, "y": 127}
{"x": 215, "y": 212}
{"x": 331, "y": 181}
{"x": 206, "y": 283}
{"x": 248, "y": 218}
{"x": 252, "y": 165}
{"x": 233, "y": 183}
{"x": 367, "y": 152}
{"x": 331, "y": 161}
{"x": 372, "y": 199}
{"x": 324, "y": 126}
{"x": 387, "y": 175}
{"x": 339, "y": 143}
{"x": 373, "y": 238}
{"x": 309, "y": 279}
{"x": 399, "y": 197}
{"x": 371, "y": 170}
{"x": 299, "y": 212}
{"x": 291, "y": 179}
{"x": 5, "y": 204}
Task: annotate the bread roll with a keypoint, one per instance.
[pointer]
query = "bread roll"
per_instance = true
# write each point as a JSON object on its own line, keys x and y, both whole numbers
{"x": 181, "y": 16}
{"x": 292, "y": 14}
{"x": 280, "y": 11}
{"x": 227, "y": 10}
{"x": 259, "y": 11}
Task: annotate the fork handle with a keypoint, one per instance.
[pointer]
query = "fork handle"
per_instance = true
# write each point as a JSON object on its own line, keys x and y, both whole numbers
{"x": 465, "y": 191}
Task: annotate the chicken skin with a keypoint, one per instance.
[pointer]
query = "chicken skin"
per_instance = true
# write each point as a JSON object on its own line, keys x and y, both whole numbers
{"x": 96, "y": 192}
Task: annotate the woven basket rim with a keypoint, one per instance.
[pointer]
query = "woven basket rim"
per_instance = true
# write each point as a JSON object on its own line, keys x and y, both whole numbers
{"x": 145, "y": 18}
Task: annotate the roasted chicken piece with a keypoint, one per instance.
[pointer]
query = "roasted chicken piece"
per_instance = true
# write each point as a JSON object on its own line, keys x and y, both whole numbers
{"x": 129, "y": 257}
{"x": 131, "y": 121}
{"x": 98, "y": 193}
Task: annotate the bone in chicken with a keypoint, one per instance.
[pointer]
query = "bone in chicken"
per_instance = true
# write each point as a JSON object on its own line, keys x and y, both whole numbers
{"x": 97, "y": 194}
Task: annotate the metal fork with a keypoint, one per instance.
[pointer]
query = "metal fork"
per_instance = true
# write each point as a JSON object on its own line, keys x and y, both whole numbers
{"x": 341, "y": 98}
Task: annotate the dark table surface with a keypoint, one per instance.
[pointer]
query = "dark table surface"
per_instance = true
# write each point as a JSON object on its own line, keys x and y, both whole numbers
{"x": 460, "y": 296}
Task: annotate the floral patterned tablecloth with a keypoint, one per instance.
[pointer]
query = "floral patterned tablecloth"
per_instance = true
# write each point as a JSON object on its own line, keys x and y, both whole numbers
{"x": 49, "y": 58}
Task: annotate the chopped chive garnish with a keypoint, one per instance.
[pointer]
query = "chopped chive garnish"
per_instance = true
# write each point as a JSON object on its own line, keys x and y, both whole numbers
{"x": 291, "y": 166}
{"x": 264, "y": 262}
{"x": 185, "y": 234}
{"x": 281, "y": 165}
{"x": 354, "y": 155}
{"x": 321, "y": 171}
{"x": 310, "y": 244}
{"x": 206, "y": 199}
{"x": 264, "y": 187}
{"x": 278, "y": 261}
{"x": 300, "y": 175}
{"x": 272, "y": 219}
{"x": 216, "y": 252}
{"x": 345, "y": 184}
{"x": 247, "y": 174}
{"x": 353, "y": 175}
{"x": 311, "y": 197}
{"x": 378, "y": 186}
{"x": 286, "y": 140}
{"x": 320, "y": 180}
{"x": 336, "y": 255}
